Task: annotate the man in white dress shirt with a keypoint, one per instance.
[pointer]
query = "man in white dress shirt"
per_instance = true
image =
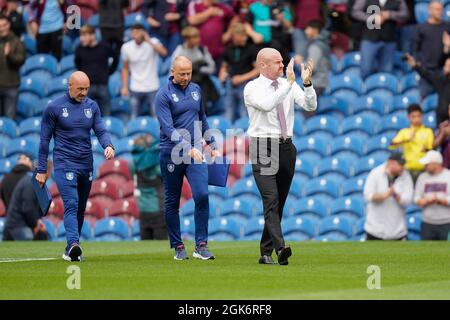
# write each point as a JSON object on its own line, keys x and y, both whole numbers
{"x": 270, "y": 103}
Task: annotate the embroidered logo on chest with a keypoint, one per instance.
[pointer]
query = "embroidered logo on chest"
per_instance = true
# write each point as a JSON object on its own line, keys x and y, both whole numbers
{"x": 65, "y": 113}
{"x": 88, "y": 113}
{"x": 195, "y": 95}
{"x": 170, "y": 167}
{"x": 175, "y": 98}
{"x": 69, "y": 176}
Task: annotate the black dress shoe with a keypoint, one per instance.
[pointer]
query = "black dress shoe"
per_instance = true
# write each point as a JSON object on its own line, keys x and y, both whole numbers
{"x": 283, "y": 256}
{"x": 266, "y": 260}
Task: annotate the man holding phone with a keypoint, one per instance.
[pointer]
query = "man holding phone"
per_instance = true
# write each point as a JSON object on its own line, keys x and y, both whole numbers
{"x": 388, "y": 190}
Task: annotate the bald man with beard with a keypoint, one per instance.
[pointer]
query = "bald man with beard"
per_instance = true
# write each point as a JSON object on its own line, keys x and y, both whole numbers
{"x": 69, "y": 120}
{"x": 270, "y": 101}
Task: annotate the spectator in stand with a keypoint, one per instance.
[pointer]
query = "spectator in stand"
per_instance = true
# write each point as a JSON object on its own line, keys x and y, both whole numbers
{"x": 212, "y": 19}
{"x": 111, "y": 22}
{"x": 441, "y": 83}
{"x": 241, "y": 8}
{"x": 273, "y": 21}
{"x": 24, "y": 164}
{"x": 407, "y": 32}
{"x": 12, "y": 56}
{"x": 23, "y": 218}
{"x": 149, "y": 191}
{"x": 165, "y": 18}
{"x": 203, "y": 65}
{"x": 415, "y": 140}
{"x": 140, "y": 59}
{"x": 47, "y": 23}
{"x": 442, "y": 140}
{"x": 238, "y": 66}
{"x": 378, "y": 41}
{"x": 305, "y": 12}
{"x": 318, "y": 51}
{"x": 92, "y": 57}
{"x": 15, "y": 17}
{"x": 429, "y": 44}
{"x": 387, "y": 191}
{"x": 433, "y": 195}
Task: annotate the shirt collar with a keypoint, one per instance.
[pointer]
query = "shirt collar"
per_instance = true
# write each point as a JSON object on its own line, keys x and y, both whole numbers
{"x": 266, "y": 81}
{"x": 177, "y": 85}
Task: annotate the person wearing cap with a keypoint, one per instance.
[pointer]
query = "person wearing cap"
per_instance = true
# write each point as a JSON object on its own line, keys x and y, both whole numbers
{"x": 415, "y": 141}
{"x": 388, "y": 190}
{"x": 24, "y": 164}
{"x": 432, "y": 194}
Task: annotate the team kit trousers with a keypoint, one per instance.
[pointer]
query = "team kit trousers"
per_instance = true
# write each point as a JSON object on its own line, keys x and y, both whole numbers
{"x": 273, "y": 185}
{"x": 74, "y": 187}
{"x": 197, "y": 176}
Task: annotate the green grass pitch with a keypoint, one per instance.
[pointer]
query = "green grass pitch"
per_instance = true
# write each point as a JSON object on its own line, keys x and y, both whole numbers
{"x": 146, "y": 270}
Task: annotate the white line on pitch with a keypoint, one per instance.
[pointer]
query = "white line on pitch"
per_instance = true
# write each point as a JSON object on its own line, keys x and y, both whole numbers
{"x": 24, "y": 259}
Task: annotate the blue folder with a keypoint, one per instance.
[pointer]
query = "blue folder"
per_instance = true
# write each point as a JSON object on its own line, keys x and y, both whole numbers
{"x": 42, "y": 194}
{"x": 218, "y": 172}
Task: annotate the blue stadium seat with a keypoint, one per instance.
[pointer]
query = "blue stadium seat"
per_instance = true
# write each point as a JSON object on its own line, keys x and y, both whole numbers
{"x": 30, "y": 44}
{"x": 114, "y": 84}
{"x": 96, "y": 146}
{"x": 354, "y": 186}
{"x": 136, "y": 18}
{"x": 382, "y": 81}
{"x": 351, "y": 59}
{"x": 430, "y": 103}
{"x": 6, "y": 165}
{"x": 219, "y": 192}
{"x": 413, "y": 209}
{"x": 429, "y": 120}
{"x": 120, "y": 108}
{"x": 247, "y": 171}
{"x": 307, "y": 146}
{"x": 51, "y": 232}
{"x": 333, "y": 106}
{"x": 188, "y": 208}
{"x": 254, "y": 227}
{"x": 33, "y": 85}
{"x": 8, "y": 128}
{"x": 421, "y": 12}
{"x": 340, "y": 82}
{"x": 220, "y": 123}
{"x": 58, "y": 85}
{"x": 94, "y": 20}
{"x": 335, "y": 64}
{"x": 447, "y": 12}
{"x": 351, "y": 206}
{"x": 402, "y": 102}
{"x": 136, "y": 230}
{"x": 365, "y": 126}
{"x": 45, "y": 62}
{"x": 187, "y": 227}
{"x": 305, "y": 167}
{"x": 414, "y": 224}
{"x": 237, "y": 208}
{"x": 311, "y": 207}
{"x": 331, "y": 237}
{"x": 67, "y": 63}
{"x": 336, "y": 225}
{"x": 409, "y": 81}
{"x": 224, "y": 229}
{"x": 68, "y": 48}
{"x": 299, "y": 120}
{"x": 143, "y": 124}
{"x": 124, "y": 145}
{"x": 379, "y": 142}
{"x": 320, "y": 186}
{"x": 2, "y": 227}
{"x": 20, "y": 145}
{"x": 114, "y": 126}
{"x": 246, "y": 186}
{"x": 241, "y": 123}
{"x": 300, "y": 227}
{"x": 111, "y": 229}
{"x": 369, "y": 104}
{"x": 366, "y": 164}
{"x": 358, "y": 227}
{"x": 339, "y": 166}
{"x": 27, "y": 105}
{"x": 30, "y": 126}
{"x": 392, "y": 123}
{"x": 322, "y": 123}
{"x": 86, "y": 231}
{"x": 40, "y": 74}
{"x": 348, "y": 144}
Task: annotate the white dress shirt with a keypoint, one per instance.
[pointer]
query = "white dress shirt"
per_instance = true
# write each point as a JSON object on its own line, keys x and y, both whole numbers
{"x": 261, "y": 100}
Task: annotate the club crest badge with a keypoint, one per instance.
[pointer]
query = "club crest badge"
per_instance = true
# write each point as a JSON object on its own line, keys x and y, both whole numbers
{"x": 90, "y": 175}
{"x": 175, "y": 98}
{"x": 171, "y": 167}
{"x": 195, "y": 95}
{"x": 69, "y": 176}
{"x": 88, "y": 113}
{"x": 65, "y": 113}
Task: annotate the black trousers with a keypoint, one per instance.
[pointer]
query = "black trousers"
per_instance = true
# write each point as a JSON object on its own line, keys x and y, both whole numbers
{"x": 370, "y": 237}
{"x": 435, "y": 231}
{"x": 273, "y": 166}
{"x": 51, "y": 43}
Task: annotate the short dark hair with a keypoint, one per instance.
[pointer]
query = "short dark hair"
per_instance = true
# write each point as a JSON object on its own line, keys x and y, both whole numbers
{"x": 4, "y": 17}
{"x": 138, "y": 26}
{"x": 414, "y": 107}
{"x": 315, "y": 24}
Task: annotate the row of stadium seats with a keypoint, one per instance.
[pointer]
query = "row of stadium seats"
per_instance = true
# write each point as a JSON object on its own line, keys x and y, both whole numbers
{"x": 335, "y": 228}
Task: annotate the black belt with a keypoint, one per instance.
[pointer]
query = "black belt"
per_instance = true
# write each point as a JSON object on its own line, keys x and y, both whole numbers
{"x": 279, "y": 140}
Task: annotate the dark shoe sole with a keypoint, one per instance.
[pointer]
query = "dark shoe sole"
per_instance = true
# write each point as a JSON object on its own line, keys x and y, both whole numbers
{"x": 74, "y": 253}
{"x": 284, "y": 256}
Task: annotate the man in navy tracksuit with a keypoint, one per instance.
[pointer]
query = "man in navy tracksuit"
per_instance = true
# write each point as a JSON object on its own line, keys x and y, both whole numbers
{"x": 69, "y": 119}
{"x": 179, "y": 110}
